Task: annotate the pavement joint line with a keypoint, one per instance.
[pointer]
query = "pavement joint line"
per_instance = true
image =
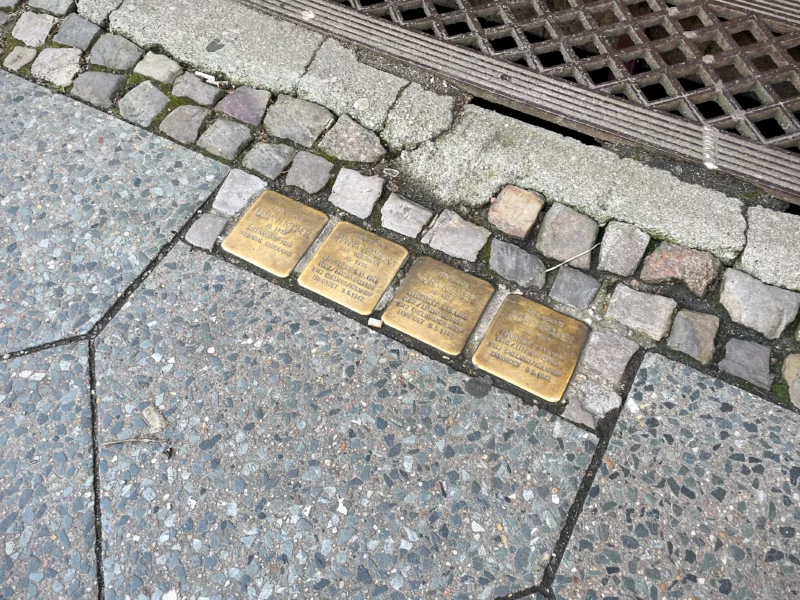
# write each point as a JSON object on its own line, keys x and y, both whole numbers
{"x": 96, "y": 475}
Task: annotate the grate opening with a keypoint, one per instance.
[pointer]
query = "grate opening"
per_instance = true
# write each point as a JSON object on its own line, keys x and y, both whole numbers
{"x": 640, "y": 9}
{"x": 673, "y": 56}
{"x": 586, "y": 50}
{"x": 457, "y": 28}
{"x": 656, "y": 32}
{"x": 523, "y": 12}
{"x": 605, "y": 16}
{"x": 770, "y": 128}
{"x": 550, "y": 59}
{"x": 744, "y": 38}
{"x": 558, "y": 5}
{"x": 504, "y": 43}
{"x": 728, "y": 73}
{"x": 710, "y": 47}
{"x": 691, "y": 23}
{"x": 764, "y": 63}
{"x": 786, "y": 90}
{"x": 710, "y": 109}
{"x": 413, "y": 14}
{"x": 602, "y": 74}
{"x": 691, "y": 82}
{"x": 794, "y": 53}
{"x": 654, "y": 91}
{"x": 490, "y": 20}
{"x": 747, "y": 100}
{"x": 571, "y": 26}
{"x": 537, "y": 34}
{"x": 531, "y": 120}
{"x": 443, "y": 9}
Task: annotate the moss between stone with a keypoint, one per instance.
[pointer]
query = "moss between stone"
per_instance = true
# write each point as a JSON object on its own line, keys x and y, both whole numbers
{"x": 781, "y": 391}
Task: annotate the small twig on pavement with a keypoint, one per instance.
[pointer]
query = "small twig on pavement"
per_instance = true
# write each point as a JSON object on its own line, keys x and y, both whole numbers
{"x": 558, "y": 266}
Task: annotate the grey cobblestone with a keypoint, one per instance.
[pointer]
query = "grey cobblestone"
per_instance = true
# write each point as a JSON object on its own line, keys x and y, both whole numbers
{"x": 309, "y": 172}
{"x": 269, "y": 160}
{"x": 158, "y": 67}
{"x": 773, "y": 247}
{"x": 9, "y": 4}
{"x": 59, "y": 8}
{"x": 245, "y": 104}
{"x": 297, "y": 120}
{"x": 791, "y": 375}
{"x": 622, "y": 249}
{"x": 764, "y": 308}
{"x": 693, "y": 334}
{"x": 337, "y": 80}
{"x": 672, "y": 264}
{"x": 238, "y": 190}
{"x": 456, "y": 237}
{"x": 98, "y": 88}
{"x": 225, "y": 139}
{"x": 115, "y": 52}
{"x": 191, "y": 86}
{"x": 515, "y": 264}
{"x": 607, "y": 356}
{"x": 76, "y": 32}
{"x": 58, "y": 66}
{"x": 574, "y": 288}
{"x": 350, "y": 142}
{"x": 33, "y": 28}
{"x": 589, "y": 401}
{"x": 566, "y": 233}
{"x": 143, "y": 104}
{"x": 404, "y": 216}
{"x": 19, "y": 57}
{"x": 204, "y": 232}
{"x": 356, "y": 193}
{"x": 748, "y": 361}
{"x": 418, "y": 116}
{"x": 184, "y": 123}
{"x": 648, "y": 313}
{"x": 515, "y": 210}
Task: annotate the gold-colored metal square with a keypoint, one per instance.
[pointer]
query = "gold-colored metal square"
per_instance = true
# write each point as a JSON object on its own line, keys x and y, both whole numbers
{"x": 353, "y": 267}
{"x": 439, "y": 305}
{"x": 275, "y": 233}
{"x": 532, "y": 347}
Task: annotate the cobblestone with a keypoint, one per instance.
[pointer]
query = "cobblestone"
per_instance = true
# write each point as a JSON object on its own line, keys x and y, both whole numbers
{"x": 670, "y": 264}
{"x": 269, "y": 160}
{"x": 404, "y": 216}
{"x": 238, "y": 190}
{"x": 159, "y": 67}
{"x": 791, "y": 375}
{"x": 204, "y": 232}
{"x": 694, "y": 334}
{"x": 622, "y": 249}
{"x": 9, "y": 4}
{"x": 225, "y": 139}
{"x": 515, "y": 264}
{"x": 19, "y": 57}
{"x": 430, "y": 470}
{"x": 245, "y": 104}
{"x": 515, "y": 211}
{"x": 647, "y": 313}
{"x": 115, "y": 52}
{"x": 588, "y": 401}
{"x": 59, "y": 8}
{"x": 675, "y": 505}
{"x": 337, "y": 80}
{"x": 184, "y": 123}
{"x": 97, "y": 11}
{"x": 350, "y": 142}
{"x": 418, "y": 116}
{"x": 764, "y": 308}
{"x": 143, "y": 104}
{"x": 46, "y": 459}
{"x": 748, "y": 361}
{"x": 574, "y": 288}
{"x": 76, "y": 32}
{"x": 607, "y": 356}
{"x": 33, "y": 28}
{"x": 98, "y": 88}
{"x": 456, "y": 237}
{"x": 773, "y": 245}
{"x": 58, "y": 66}
{"x": 309, "y": 172}
{"x": 566, "y": 233}
{"x": 191, "y": 86}
{"x": 297, "y": 120}
{"x": 356, "y": 193}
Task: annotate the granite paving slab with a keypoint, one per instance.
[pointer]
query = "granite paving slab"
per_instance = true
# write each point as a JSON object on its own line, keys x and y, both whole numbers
{"x": 86, "y": 202}
{"x": 697, "y": 497}
{"x": 311, "y": 456}
{"x": 46, "y": 486}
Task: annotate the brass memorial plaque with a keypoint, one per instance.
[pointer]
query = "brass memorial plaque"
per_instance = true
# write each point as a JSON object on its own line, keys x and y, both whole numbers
{"x": 275, "y": 233}
{"x": 533, "y": 347}
{"x": 353, "y": 267}
{"x": 438, "y": 305}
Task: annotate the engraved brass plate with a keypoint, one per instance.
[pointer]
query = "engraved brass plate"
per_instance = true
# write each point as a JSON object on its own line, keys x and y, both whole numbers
{"x": 353, "y": 267}
{"x": 438, "y": 305}
{"x": 275, "y": 233}
{"x": 533, "y": 347}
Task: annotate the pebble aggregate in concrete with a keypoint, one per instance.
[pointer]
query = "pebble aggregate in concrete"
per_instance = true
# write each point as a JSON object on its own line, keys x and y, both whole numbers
{"x": 269, "y": 160}
{"x": 58, "y": 8}
{"x": 622, "y": 249}
{"x": 158, "y": 67}
{"x": 765, "y": 308}
{"x": 184, "y": 123}
{"x": 46, "y": 491}
{"x": 115, "y": 52}
{"x": 404, "y": 216}
{"x": 697, "y": 495}
{"x": 574, "y": 288}
{"x": 748, "y": 361}
{"x": 456, "y": 237}
{"x": 143, "y": 104}
{"x": 245, "y": 104}
{"x": 313, "y": 458}
{"x": 19, "y": 57}
{"x": 309, "y": 172}
{"x": 350, "y": 142}
{"x": 773, "y": 245}
{"x": 515, "y": 264}
{"x": 204, "y": 232}
{"x": 693, "y": 334}
{"x": 566, "y": 233}
{"x": 673, "y": 264}
{"x": 88, "y": 205}
{"x": 418, "y": 116}
{"x": 649, "y": 313}
{"x": 76, "y": 32}
{"x": 97, "y": 11}
{"x": 191, "y": 86}
{"x": 297, "y": 120}
{"x": 225, "y": 139}
{"x": 336, "y": 79}
{"x": 58, "y": 66}
{"x": 98, "y": 88}
{"x": 237, "y": 191}
{"x": 33, "y": 28}
{"x": 515, "y": 210}
{"x": 356, "y": 193}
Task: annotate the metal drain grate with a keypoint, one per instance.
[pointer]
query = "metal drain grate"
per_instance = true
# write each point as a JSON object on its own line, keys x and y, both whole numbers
{"x": 708, "y": 64}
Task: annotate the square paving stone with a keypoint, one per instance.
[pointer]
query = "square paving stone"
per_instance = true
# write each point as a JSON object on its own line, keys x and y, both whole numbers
{"x": 98, "y": 88}
{"x": 748, "y": 361}
{"x": 309, "y": 172}
{"x": 237, "y": 192}
{"x": 19, "y": 57}
{"x": 58, "y": 66}
{"x": 158, "y": 67}
{"x": 33, "y": 28}
{"x": 697, "y": 497}
{"x": 574, "y": 288}
{"x": 693, "y": 334}
{"x": 648, "y": 313}
{"x": 312, "y": 475}
{"x": 76, "y": 32}
{"x": 191, "y": 86}
{"x": 607, "y": 356}
{"x": 245, "y": 104}
{"x": 46, "y": 468}
{"x": 515, "y": 210}
{"x": 143, "y": 104}
{"x": 456, "y": 237}
{"x": 622, "y": 249}
{"x": 184, "y": 123}
{"x": 404, "y": 216}
{"x": 356, "y": 193}
{"x": 675, "y": 264}
{"x": 764, "y": 308}
{"x": 225, "y": 139}
{"x": 115, "y": 52}
{"x": 204, "y": 232}
{"x": 566, "y": 233}
{"x": 773, "y": 245}
{"x": 58, "y": 8}
{"x": 515, "y": 264}
{"x": 81, "y": 226}
{"x": 297, "y": 120}
{"x": 269, "y": 160}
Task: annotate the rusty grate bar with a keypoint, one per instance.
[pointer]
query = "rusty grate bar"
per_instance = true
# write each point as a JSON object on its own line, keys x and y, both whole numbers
{"x": 701, "y": 82}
